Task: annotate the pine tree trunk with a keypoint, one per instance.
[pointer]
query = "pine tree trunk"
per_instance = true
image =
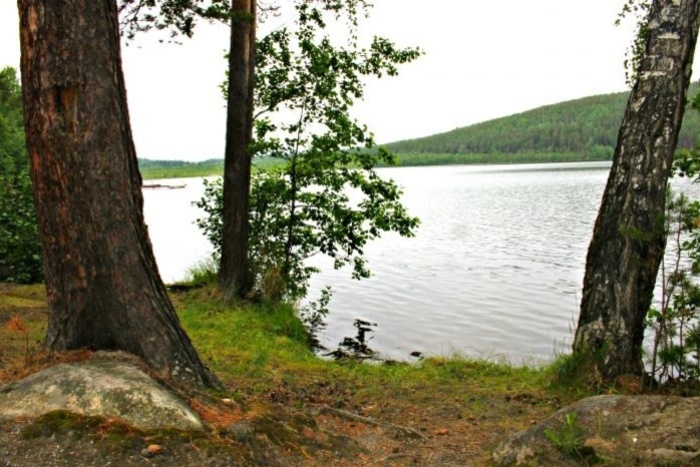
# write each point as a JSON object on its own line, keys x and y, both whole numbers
{"x": 628, "y": 239}
{"x": 235, "y": 277}
{"x": 102, "y": 282}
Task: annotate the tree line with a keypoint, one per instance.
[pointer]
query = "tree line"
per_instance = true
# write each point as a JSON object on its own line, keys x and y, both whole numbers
{"x": 587, "y": 127}
{"x": 151, "y": 168}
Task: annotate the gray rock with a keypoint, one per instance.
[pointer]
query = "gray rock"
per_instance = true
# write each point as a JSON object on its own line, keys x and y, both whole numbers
{"x": 104, "y": 387}
{"x": 241, "y": 431}
{"x": 613, "y": 430}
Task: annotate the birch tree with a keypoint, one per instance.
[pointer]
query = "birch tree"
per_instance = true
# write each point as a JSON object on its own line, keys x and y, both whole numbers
{"x": 628, "y": 239}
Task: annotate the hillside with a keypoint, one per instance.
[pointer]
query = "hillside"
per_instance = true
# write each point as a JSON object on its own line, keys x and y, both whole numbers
{"x": 581, "y": 129}
{"x": 585, "y": 127}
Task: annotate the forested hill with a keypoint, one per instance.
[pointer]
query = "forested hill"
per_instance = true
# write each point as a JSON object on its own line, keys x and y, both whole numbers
{"x": 582, "y": 129}
{"x": 587, "y": 127}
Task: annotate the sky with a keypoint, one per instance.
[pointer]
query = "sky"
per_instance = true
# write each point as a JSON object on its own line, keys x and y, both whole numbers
{"x": 483, "y": 60}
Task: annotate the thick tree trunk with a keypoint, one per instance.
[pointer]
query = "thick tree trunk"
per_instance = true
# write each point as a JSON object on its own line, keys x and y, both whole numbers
{"x": 235, "y": 277}
{"x": 103, "y": 286}
{"x": 628, "y": 239}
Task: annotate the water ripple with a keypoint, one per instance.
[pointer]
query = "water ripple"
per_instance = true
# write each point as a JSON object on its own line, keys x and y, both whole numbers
{"x": 495, "y": 269}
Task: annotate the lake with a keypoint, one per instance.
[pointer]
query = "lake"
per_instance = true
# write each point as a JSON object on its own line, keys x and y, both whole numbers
{"x": 495, "y": 269}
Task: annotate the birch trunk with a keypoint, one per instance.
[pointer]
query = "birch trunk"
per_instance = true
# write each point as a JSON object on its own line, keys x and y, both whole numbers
{"x": 628, "y": 239}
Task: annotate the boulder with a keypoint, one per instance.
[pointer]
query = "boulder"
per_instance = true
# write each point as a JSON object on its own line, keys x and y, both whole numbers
{"x": 105, "y": 387}
{"x": 611, "y": 430}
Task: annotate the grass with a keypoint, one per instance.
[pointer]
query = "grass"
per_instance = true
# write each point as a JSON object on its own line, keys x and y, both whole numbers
{"x": 260, "y": 353}
{"x": 22, "y": 324}
{"x": 180, "y": 169}
{"x": 151, "y": 170}
{"x": 203, "y": 273}
{"x": 269, "y": 337}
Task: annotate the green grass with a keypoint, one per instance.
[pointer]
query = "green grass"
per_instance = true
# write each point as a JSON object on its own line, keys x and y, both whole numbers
{"x": 205, "y": 272}
{"x": 264, "y": 344}
{"x": 255, "y": 342}
{"x": 179, "y": 172}
{"x": 179, "y": 169}
{"x": 151, "y": 170}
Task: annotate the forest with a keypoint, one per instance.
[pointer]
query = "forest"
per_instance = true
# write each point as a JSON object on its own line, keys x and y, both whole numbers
{"x": 582, "y": 129}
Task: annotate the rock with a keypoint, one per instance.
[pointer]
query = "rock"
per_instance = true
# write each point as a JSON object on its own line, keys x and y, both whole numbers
{"x": 103, "y": 387}
{"x": 615, "y": 430}
{"x": 151, "y": 451}
{"x": 242, "y": 431}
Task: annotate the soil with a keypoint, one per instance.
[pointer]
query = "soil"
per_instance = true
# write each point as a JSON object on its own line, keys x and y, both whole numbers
{"x": 401, "y": 431}
{"x": 300, "y": 423}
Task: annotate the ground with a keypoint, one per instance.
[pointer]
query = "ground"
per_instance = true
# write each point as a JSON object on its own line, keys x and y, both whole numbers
{"x": 282, "y": 405}
{"x": 443, "y": 437}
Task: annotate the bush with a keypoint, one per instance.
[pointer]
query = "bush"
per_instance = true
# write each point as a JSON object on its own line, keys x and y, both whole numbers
{"x": 324, "y": 194}
{"x": 20, "y": 250}
{"x": 20, "y": 247}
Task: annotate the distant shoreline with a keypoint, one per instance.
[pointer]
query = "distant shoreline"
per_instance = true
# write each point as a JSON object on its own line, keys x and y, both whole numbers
{"x": 154, "y": 170}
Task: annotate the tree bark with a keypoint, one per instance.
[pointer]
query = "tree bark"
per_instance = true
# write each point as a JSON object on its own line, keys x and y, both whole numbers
{"x": 235, "y": 277}
{"x": 629, "y": 239}
{"x": 103, "y": 286}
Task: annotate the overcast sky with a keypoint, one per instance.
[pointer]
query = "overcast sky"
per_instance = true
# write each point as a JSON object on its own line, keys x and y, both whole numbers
{"x": 483, "y": 60}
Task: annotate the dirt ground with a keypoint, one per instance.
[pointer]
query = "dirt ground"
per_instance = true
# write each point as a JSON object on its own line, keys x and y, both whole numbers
{"x": 325, "y": 423}
{"x": 404, "y": 430}
{"x": 330, "y": 439}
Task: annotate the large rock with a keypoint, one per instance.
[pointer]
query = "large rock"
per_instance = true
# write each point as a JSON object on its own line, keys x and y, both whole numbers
{"x": 104, "y": 387}
{"x": 613, "y": 430}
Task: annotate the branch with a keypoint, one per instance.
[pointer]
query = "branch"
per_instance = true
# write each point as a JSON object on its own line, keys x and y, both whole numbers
{"x": 263, "y": 111}
{"x": 405, "y": 431}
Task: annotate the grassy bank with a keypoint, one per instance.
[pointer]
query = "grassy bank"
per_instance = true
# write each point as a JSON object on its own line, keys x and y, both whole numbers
{"x": 463, "y": 408}
{"x": 179, "y": 169}
{"x": 155, "y": 169}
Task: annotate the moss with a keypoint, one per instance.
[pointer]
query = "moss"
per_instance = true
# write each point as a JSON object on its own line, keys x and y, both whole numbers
{"x": 61, "y": 422}
{"x": 112, "y": 435}
{"x": 297, "y": 432}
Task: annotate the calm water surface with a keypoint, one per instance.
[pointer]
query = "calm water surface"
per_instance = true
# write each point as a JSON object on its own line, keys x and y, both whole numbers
{"x": 495, "y": 269}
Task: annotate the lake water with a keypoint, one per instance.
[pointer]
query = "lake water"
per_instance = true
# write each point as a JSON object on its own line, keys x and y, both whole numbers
{"x": 495, "y": 269}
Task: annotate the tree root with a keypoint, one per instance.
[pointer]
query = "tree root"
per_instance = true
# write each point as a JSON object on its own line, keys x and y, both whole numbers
{"x": 398, "y": 430}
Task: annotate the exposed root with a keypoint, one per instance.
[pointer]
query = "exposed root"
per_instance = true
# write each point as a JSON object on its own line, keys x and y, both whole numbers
{"x": 401, "y": 430}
